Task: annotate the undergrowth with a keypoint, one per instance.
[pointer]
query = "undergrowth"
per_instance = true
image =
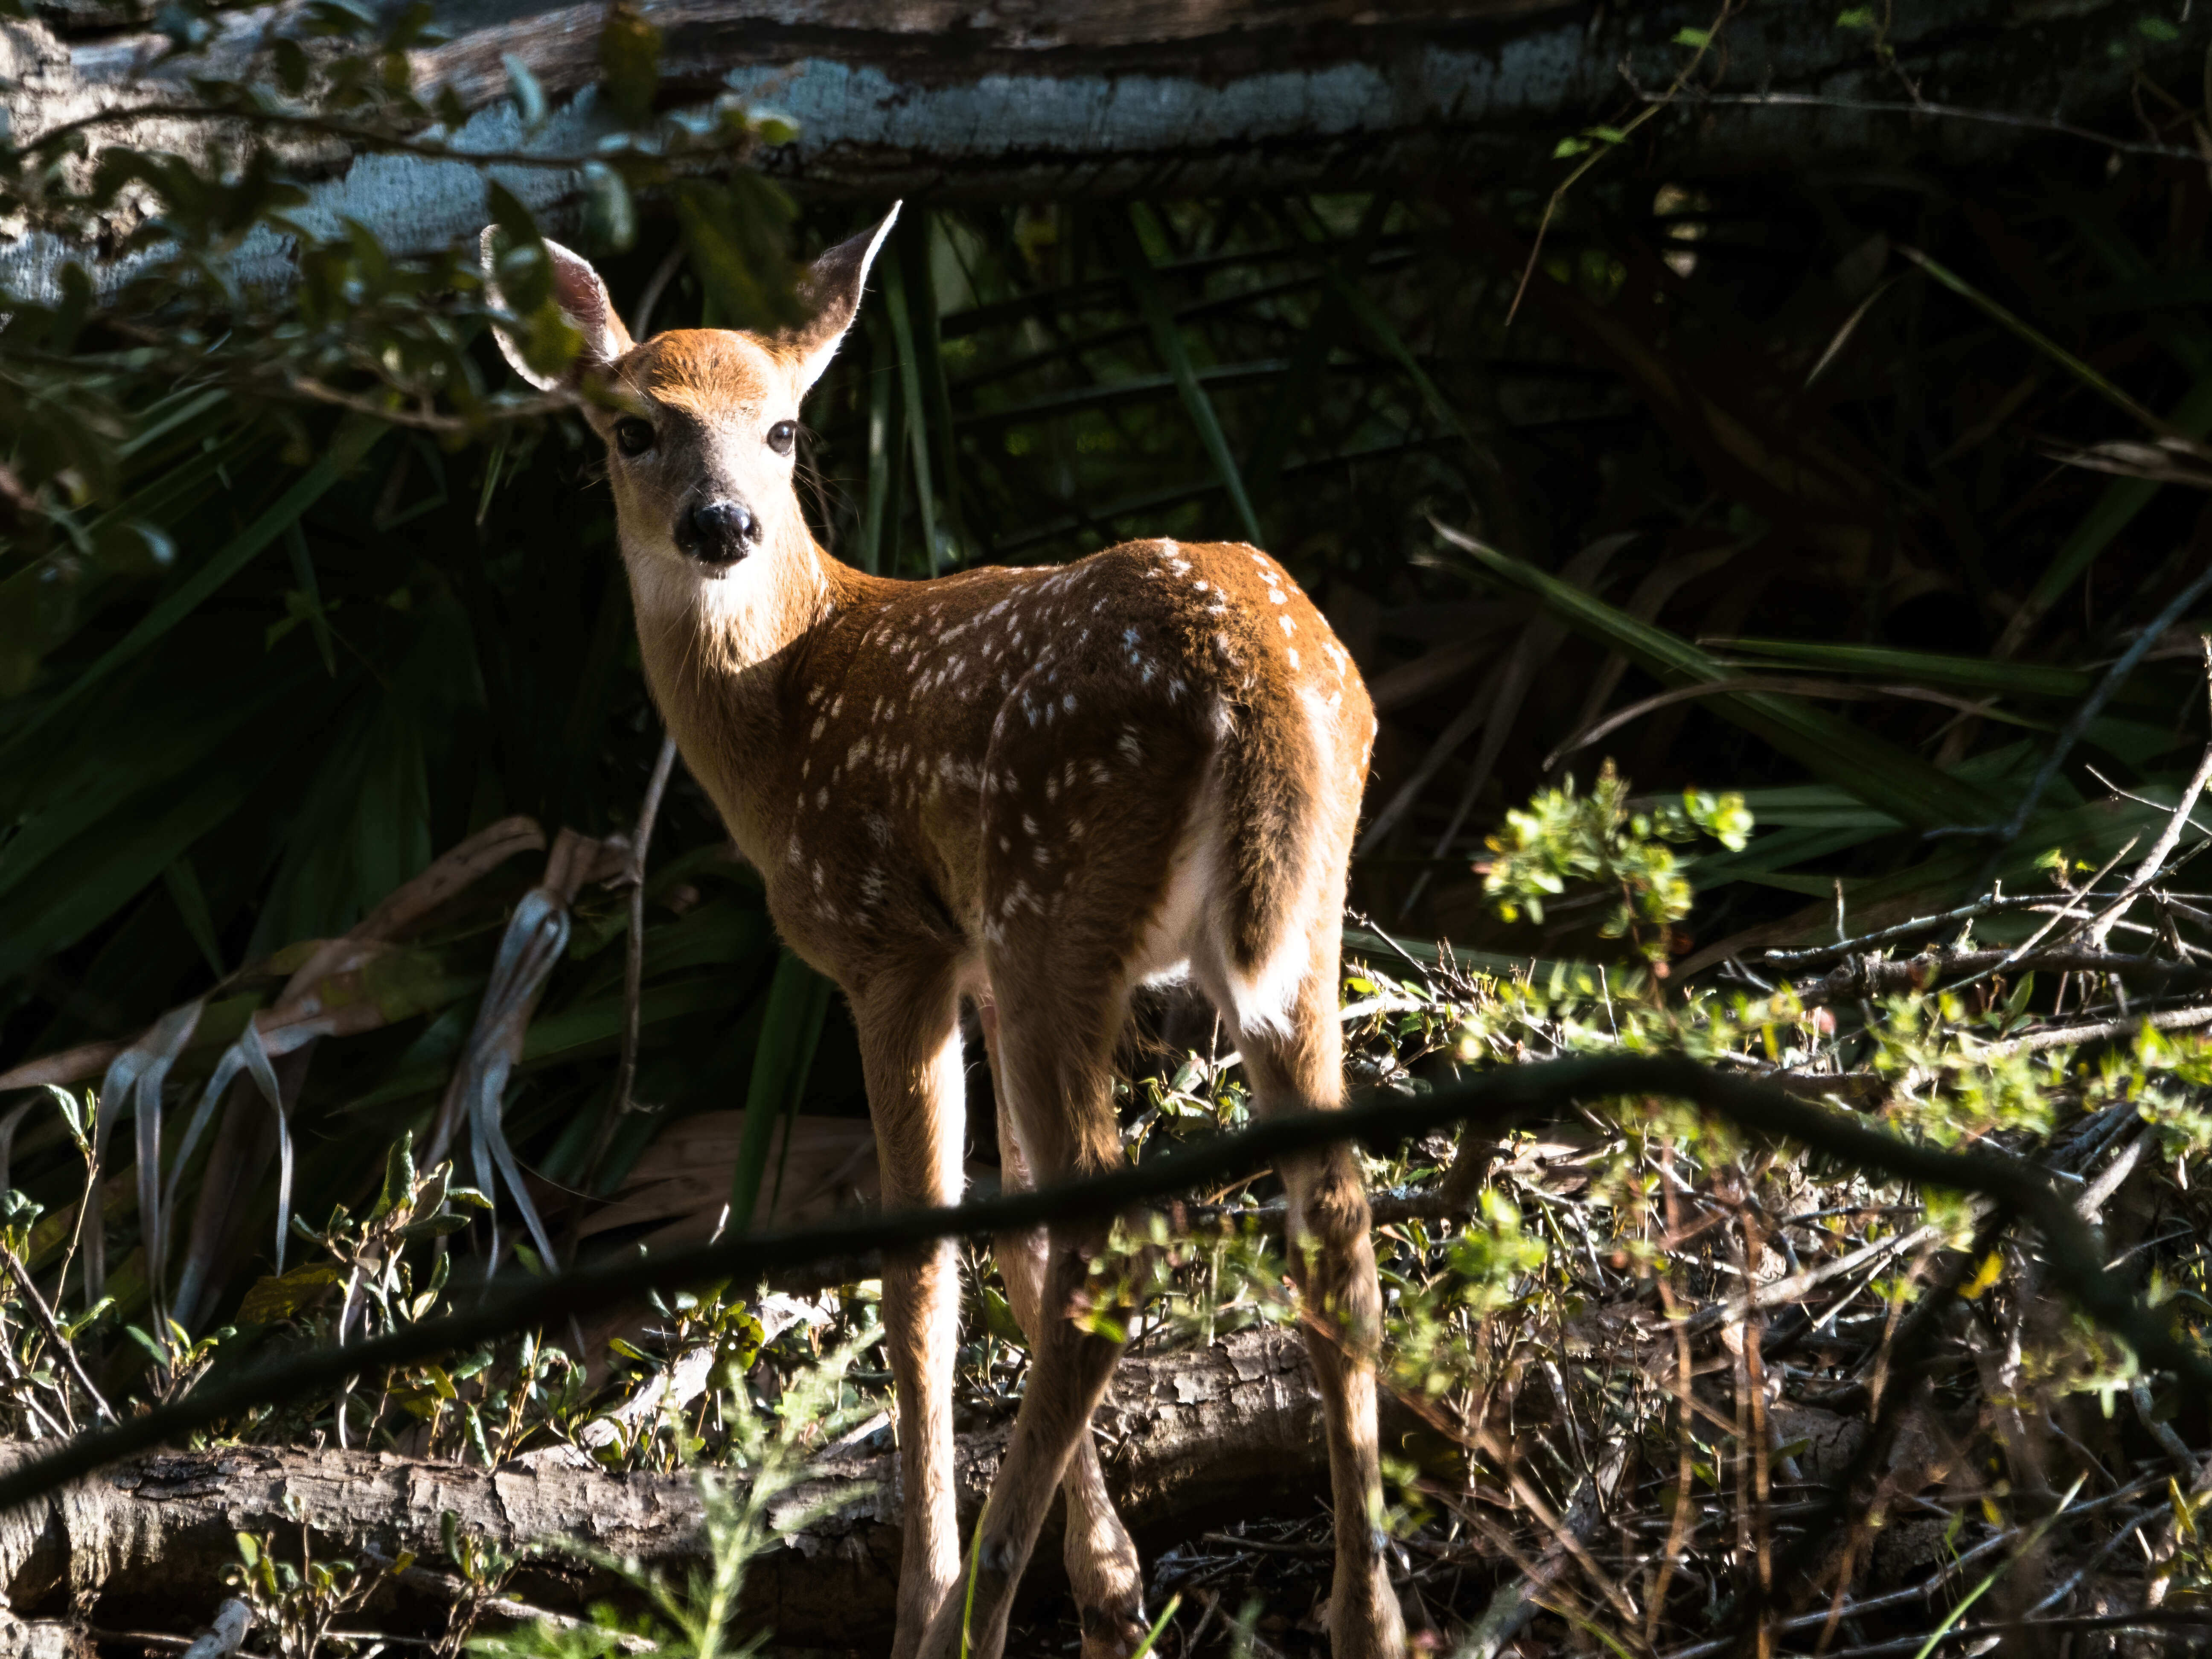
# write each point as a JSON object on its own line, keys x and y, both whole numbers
{"x": 1637, "y": 1360}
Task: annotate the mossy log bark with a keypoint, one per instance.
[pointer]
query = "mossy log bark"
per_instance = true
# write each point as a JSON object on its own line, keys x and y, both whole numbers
{"x": 1228, "y": 1431}
{"x": 1026, "y": 100}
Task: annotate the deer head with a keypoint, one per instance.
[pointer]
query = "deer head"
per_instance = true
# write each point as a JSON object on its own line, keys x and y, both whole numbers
{"x": 701, "y": 430}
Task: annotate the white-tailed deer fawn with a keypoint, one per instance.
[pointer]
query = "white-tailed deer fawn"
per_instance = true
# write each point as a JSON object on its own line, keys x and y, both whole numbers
{"x": 1035, "y": 790}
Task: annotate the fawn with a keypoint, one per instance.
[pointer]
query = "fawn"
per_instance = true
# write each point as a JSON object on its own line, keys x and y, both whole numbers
{"x": 1035, "y": 790}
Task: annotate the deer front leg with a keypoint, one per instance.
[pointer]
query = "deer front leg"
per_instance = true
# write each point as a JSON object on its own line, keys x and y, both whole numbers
{"x": 1052, "y": 1057}
{"x": 1103, "y": 1569}
{"x": 910, "y": 1053}
{"x": 1069, "y": 1368}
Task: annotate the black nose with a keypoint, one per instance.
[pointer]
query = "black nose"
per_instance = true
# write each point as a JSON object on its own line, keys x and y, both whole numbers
{"x": 720, "y": 532}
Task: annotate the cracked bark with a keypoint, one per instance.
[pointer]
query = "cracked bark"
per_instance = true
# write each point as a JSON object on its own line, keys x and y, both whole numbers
{"x": 1226, "y": 1430}
{"x": 1020, "y": 99}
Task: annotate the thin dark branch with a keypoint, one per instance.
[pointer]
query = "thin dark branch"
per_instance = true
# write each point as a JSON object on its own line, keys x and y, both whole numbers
{"x": 1935, "y": 112}
{"x": 1989, "y": 905}
{"x": 633, "y": 960}
{"x": 46, "y": 1323}
{"x": 1502, "y": 1097}
{"x": 2091, "y": 706}
{"x": 1867, "y": 976}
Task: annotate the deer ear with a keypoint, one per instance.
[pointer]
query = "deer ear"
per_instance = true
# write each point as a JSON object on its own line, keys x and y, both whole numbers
{"x": 832, "y": 286}
{"x": 583, "y": 298}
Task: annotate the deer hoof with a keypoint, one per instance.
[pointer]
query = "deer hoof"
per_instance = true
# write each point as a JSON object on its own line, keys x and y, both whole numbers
{"x": 1112, "y": 1633}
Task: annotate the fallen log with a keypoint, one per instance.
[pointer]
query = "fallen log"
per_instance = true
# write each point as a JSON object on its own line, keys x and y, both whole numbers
{"x": 1232, "y": 1429}
{"x": 940, "y": 99}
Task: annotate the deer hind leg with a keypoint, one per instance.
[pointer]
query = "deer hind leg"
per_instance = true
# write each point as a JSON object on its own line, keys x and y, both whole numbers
{"x": 1294, "y": 1060}
{"x": 1102, "y": 1568}
{"x": 1056, "y": 1031}
{"x": 910, "y": 1054}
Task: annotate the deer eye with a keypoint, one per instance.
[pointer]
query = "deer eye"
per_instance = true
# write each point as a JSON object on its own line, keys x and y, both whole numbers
{"x": 781, "y": 436}
{"x": 633, "y": 436}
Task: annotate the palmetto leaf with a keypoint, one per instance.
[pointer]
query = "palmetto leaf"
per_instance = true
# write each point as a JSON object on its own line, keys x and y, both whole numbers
{"x": 1875, "y": 772}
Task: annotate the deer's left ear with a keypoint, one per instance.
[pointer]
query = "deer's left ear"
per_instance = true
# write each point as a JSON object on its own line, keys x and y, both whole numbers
{"x": 833, "y": 285}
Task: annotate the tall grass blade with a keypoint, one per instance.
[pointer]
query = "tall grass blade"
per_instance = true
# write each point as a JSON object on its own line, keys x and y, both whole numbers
{"x": 2115, "y": 509}
{"x": 896, "y": 306}
{"x": 791, "y": 1031}
{"x": 2043, "y": 342}
{"x": 354, "y": 436}
{"x": 185, "y": 891}
{"x": 878, "y": 551}
{"x": 1876, "y": 772}
{"x": 913, "y": 241}
{"x": 1175, "y": 357}
{"x": 133, "y": 1084}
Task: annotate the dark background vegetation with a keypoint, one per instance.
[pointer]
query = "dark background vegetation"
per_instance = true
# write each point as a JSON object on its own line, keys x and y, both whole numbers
{"x": 1730, "y": 403}
{"x": 443, "y": 639}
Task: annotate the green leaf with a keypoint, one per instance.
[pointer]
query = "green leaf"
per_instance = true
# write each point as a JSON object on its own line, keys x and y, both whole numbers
{"x": 1175, "y": 357}
{"x": 629, "y": 60}
{"x": 610, "y": 213}
{"x": 913, "y": 399}
{"x": 354, "y": 436}
{"x": 529, "y": 93}
{"x": 2116, "y": 508}
{"x": 184, "y": 885}
{"x": 738, "y": 239}
{"x": 399, "y": 1177}
{"x": 2035, "y": 337}
{"x": 911, "y": 242}
{"x": 273, "y": 1298}
{"x": 791, "y": 1030}
{"x": 1925, "y": 667}
{"x": 1877, "y": 773}
{"x": 999, "y": 1318}
{"x": 1697, "y": 40}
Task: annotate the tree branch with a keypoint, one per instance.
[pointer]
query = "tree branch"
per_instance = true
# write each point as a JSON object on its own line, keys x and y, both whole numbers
{"x": 1499, "y": 1098}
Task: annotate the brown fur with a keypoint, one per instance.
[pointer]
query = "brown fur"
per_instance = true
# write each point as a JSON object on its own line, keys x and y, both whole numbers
{"x": 1029, "y": 789}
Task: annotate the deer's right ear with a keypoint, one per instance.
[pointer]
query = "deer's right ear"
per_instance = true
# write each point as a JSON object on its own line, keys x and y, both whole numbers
{"x": 583, "y": 300}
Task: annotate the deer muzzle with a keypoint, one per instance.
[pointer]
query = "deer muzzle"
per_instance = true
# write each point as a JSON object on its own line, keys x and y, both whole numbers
{"x": 718, "y": 533}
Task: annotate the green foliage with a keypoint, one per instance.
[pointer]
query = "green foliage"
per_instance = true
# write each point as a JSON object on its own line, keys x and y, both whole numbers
{"x": 1491, "y": 1257}
{"x": 1564, "y": 840}
{"x": 692, "y": 1618}
{"x": 295, "y": 1606}
{"x": 1945, "y": 1082}
{"x": 211, "y": 757}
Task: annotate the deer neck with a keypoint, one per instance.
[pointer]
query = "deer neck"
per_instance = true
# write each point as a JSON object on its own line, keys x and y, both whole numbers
{"x": 726, "y": 659}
